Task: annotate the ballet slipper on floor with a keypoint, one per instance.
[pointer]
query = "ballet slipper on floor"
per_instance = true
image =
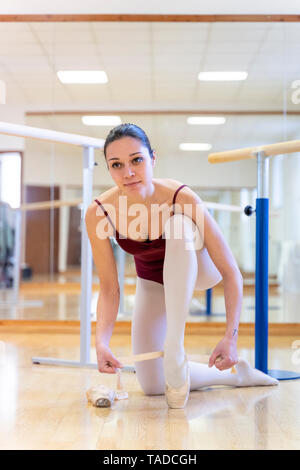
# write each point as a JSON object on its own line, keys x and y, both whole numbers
{"x": 101, "y": 396}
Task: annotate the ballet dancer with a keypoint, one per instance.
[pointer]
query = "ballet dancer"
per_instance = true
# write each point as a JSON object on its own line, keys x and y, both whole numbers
{"x": 175, "y": 251}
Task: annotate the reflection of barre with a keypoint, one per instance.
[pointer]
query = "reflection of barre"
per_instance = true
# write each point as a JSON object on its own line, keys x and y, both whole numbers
{"x": 75, "y": 202}
{"x": 250, "y": 152}
{"x": 35, "y": 206}
{"x": 222, "y": 207}
{"x": 228, "y": 208}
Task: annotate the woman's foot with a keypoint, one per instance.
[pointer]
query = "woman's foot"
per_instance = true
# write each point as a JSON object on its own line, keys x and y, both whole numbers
{"x": 177, "y": 397}
{"x": 247, "y": 376}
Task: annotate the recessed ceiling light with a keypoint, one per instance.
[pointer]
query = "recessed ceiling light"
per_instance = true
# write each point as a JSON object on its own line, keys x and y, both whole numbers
{"x": 203, "y": 120}
{"x": 222, "y": 76}
{"x": 195, "y": 146}
{"x": 101, "y": 120}
{"x": 82, "y": 76}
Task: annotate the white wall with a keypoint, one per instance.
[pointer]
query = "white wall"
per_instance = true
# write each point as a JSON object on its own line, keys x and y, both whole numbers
{"x": 291, "y": 213}
{"x": 155, "y": 6}
{"x": 202, "y": 173}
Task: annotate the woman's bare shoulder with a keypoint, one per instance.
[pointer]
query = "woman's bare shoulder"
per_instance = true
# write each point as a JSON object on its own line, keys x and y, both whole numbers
{"x": 186, "y": 194}
{"x": 169, "y": 183}
{"x": 107, "y": 197}
{"x": 95, "y": 213}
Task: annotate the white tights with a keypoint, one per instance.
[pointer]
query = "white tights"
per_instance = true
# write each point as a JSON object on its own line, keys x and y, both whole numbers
{"x": 160, "y": 313}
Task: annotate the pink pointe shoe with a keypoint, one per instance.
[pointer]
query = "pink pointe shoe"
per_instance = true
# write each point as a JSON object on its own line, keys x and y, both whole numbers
{"x": 178, "y": 397}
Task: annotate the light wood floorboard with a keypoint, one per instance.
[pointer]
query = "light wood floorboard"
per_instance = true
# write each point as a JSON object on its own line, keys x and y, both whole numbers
{"x": 44, "y": 407}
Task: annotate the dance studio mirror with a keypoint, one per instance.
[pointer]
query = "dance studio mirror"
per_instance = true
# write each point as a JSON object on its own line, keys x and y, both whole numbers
{"x": 153, "y": 81}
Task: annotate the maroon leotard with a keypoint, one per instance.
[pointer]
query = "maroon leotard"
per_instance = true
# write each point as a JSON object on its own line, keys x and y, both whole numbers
{"x": 148, "y": 255}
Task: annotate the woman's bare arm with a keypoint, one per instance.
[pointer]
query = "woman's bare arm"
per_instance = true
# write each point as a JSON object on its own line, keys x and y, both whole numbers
{"x": 109, "y": 291}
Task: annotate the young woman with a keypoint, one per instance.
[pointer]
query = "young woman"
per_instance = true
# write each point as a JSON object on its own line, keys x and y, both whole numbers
{"x": 176, "y": 250}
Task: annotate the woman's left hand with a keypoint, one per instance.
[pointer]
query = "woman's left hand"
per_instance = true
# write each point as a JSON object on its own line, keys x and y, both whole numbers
{"x": 224, "y": 355}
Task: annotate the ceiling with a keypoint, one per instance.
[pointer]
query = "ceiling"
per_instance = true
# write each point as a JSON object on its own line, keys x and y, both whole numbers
{"x": 154, "y": 67}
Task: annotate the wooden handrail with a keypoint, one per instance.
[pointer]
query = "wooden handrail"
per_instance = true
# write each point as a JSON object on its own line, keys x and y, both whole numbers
{"x": 270, "y": 150}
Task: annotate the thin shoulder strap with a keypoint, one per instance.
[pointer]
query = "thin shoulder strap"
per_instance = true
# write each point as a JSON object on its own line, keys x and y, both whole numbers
{"x": 178, "y": 189}
{"x": 106, "y": 214}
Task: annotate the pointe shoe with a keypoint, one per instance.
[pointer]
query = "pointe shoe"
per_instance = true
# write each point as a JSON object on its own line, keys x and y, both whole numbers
{"x": 101, "y": 396}
{"x": 178, "y": 397}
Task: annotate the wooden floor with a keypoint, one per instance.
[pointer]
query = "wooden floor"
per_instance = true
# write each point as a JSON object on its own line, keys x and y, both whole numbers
{"x": 44, "y": 407}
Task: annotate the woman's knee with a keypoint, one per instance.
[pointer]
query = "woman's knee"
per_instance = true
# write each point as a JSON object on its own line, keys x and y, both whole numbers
{"x": 178, "y": 226}
{"x": 180, "y": 229}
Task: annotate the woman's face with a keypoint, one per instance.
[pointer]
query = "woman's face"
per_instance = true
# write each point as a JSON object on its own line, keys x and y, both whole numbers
{"x": 128, "y": 162}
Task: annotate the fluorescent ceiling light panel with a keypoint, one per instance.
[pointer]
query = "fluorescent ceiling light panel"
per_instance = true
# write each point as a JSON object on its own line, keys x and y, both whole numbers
{"x": 204, "y": 120}
{"x": 222, "y": 76}
{"x": 195, "y": 146}
{"x": 82, "y": 76}
{"x": 101, "y": 120}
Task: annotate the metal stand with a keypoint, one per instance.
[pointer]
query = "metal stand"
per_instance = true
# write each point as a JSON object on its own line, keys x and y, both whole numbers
{"x": 86, "y": 274}
{"x": 261, "y": 271}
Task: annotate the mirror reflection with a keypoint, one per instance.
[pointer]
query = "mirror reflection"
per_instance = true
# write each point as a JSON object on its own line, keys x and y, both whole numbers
{"x": 158, "y": 79}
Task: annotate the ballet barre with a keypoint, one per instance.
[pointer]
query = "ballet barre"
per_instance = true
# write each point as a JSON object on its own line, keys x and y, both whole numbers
{"x": 19, "y": 130}
{"x": 262, "y": 154}
{"x": 269, "y": 150}
{"x": 88, "y": 144}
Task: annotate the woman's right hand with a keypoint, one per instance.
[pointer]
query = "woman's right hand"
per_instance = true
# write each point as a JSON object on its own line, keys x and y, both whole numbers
{"x": 107, "y": 362}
